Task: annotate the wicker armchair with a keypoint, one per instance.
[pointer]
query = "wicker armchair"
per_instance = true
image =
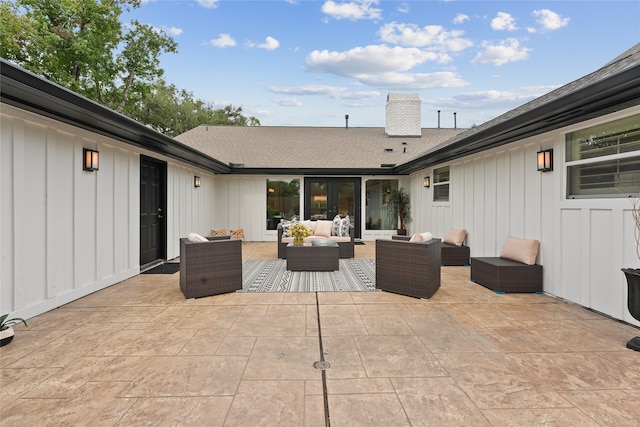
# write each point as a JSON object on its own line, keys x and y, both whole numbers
{"x": 210, "y": 268}
{"x": 408, "y": 268}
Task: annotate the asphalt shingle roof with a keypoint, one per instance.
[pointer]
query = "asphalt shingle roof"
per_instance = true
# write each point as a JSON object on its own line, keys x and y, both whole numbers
{"x": 311, "y": 147}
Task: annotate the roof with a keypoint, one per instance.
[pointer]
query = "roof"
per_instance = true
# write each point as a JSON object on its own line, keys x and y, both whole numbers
{"x": 336, "y": 149}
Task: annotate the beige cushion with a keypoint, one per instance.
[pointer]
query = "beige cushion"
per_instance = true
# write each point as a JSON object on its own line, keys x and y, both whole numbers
{"x": 421, "y": 237}
{"x": 323, "y": 228}
{"x": 195, "y": 237}
{"x": 455, "y": 236}
{"x": 311, "y": 225}
{"x": 521, "y": 250}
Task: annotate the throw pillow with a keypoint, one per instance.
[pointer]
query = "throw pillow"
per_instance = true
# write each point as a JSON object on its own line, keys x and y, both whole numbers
{"x": 521, "y": 250}
{"x": 426, "y": 236}
{"x": 416, "y": 238}
{"x": 195, "y": 237}
{"x": 345, "y": 225}
{"x": 323, "y": 228}
{"x": 335, "y": 227}
{"x": 455, "y": 236}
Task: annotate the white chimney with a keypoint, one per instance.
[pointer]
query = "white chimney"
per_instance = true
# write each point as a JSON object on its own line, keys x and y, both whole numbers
{"x": 403, "y": 114}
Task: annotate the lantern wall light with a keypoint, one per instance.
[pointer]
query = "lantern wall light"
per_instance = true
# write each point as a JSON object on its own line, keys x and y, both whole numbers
{"x": 90, "y": 159}
{"x": 426, "y": 182}
{"x": 545, "y": 160}
{"x": 196, "y": 181}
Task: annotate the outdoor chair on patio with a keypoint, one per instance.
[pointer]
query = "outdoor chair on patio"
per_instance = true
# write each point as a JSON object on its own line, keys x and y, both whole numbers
{"x": 515, "y": 270}
{"x": 210, "y": 267}
{"x": 408, "y": 268}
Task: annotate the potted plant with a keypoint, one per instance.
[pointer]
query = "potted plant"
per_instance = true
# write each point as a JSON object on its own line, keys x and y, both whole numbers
{"x": 633, "y": 276}
{"x": 6, "y": 329}
{"x": 401, "y": 208}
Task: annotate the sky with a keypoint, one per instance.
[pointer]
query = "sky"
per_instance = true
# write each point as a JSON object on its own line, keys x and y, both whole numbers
{"x": 310, "y": 63}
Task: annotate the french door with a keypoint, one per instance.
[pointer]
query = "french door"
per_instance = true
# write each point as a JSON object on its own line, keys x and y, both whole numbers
{"x": 327, "y": 197}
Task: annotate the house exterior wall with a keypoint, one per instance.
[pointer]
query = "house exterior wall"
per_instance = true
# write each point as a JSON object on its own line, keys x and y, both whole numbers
{"x": 65, "y": 232}
{"x": 584, "y": 243}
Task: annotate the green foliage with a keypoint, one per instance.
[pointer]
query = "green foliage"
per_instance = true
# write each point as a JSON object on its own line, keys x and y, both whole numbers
{"x": 401, "y": 206}
{"x": 6, "y": 323}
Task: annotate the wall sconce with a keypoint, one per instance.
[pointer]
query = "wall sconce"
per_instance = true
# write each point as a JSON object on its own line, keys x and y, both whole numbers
{"x": 196, "y": 181}
{"x": 545, "y": 160}
{"x": 91, "y": 159}
{"x": 426, "y": 182}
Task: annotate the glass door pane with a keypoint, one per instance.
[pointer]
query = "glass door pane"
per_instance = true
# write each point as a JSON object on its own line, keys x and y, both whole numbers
{"x": 318, "y": 200}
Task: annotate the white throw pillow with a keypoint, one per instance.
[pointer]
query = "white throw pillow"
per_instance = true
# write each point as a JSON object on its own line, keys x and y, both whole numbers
{"x": 195, "y": 237}
{"x": 521, "y": 250}
{"x": 345, "y": 225}
{"x": 323, "y": 228}
{"x": 416, "y": 238}
{"x": 335, "y": 226}
{"x": 285, "y": 227}
{"x": 455, "y": 236}
{"x": 426, "y": 236}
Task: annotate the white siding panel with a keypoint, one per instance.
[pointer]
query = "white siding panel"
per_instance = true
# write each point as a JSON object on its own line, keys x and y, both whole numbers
{"x": 516, "y": 193}
{"x": 502, "y": 204}
{"x": 7, "y": 219}
{"x": 487, "y": 243}
{"x": 605, "y": 296}
{"x": 572, "y": 268}
{"x": 105, "y": 214}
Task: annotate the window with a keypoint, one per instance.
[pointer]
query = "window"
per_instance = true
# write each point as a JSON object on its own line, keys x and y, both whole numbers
{"x": 378, "y": 213}
{"x": 283, "y": 201}
{"x": 604, "y": 160}
{"x": 441, "y": 184}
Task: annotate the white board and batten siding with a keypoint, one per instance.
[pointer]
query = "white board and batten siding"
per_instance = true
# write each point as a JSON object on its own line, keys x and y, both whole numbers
{"x": 584, "y": 243}
{"x": 65, "y": 232}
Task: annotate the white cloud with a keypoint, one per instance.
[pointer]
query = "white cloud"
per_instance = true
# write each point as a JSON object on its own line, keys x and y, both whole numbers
{"x": 460, "y": 18}
{"x": 352, "y": 10}
{"x": 403, "y": 8}
{"x": 507, "y": 51}
{"x": 208, "y": 4}
{"x": 367, "y": 60}
{"x": 434, "y": 36}
{"x": 549, "y": 20}
{"x": 336, "y": 92}
{"x": 269, "y": 44}
{"x": 173, "y": 31}
{"x": 413, "y": 81}
{"x": 504, "y": 21}
{"x": 288, "y": 102}
{"x": 223, "y": 40}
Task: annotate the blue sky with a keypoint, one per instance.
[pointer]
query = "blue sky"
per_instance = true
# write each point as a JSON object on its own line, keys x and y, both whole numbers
{"x": 309, "y": 63}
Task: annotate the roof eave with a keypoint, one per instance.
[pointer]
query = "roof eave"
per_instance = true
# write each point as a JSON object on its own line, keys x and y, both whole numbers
{"x": 30, "y": 92}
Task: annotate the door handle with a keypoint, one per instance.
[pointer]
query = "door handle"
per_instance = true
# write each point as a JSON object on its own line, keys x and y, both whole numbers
{"x": 160, "y": 213}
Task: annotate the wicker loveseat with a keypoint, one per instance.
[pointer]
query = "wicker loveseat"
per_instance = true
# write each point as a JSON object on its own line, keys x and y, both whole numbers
{"x": 210, "y": 268}
{"x": 408, "y": 268}
{"x": 515, "y": 270}
{"x": 345, "y": 244}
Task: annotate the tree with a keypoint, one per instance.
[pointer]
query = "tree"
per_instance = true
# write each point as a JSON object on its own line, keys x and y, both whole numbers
{"x": 82, "y": 45}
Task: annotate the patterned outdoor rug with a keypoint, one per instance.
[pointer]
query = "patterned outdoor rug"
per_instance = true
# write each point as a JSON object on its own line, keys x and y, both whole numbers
{"x": 355, "y": 275}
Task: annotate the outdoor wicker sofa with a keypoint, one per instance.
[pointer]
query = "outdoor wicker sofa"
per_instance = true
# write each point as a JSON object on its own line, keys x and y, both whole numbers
{"x": 514, "y": 270}
{"x": 408, "y": 268}
{"x": 345, "y": 248}
{"x": 210, "y": 268}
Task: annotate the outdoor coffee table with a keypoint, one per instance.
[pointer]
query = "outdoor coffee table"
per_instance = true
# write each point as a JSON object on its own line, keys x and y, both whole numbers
{"x": 322, "y": 255}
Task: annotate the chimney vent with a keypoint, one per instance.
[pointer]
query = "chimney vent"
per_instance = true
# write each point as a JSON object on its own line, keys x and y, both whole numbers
{"x": 346, "y": 119}
{"x": 455, "y": 123}
{"x": 438, "y": 119}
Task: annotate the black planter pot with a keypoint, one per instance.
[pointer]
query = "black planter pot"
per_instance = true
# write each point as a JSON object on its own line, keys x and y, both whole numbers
{"x": 633, "y": 300}
{"x": 401, "y": 231}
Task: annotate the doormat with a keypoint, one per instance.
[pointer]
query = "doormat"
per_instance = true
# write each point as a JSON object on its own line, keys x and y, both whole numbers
{"x": 357, "y": 242}
{"x": 167, "y": 268}
{"x": 354, "y": 275}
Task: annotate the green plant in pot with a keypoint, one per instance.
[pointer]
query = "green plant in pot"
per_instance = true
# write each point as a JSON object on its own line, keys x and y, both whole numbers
{"x": 633, "y": 276}
{"x": 401, "y": 207}
{"x": 6, "y": 328}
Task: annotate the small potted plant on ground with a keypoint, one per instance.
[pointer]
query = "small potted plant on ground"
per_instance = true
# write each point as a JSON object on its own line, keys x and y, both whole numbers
{"x": 401, "y": 207}
{"x": 6, "y": 330}
{"x": 633, "y": 276}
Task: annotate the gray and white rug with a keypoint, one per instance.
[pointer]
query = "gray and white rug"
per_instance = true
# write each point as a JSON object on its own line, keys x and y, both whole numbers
{"x": 355, "y": 275}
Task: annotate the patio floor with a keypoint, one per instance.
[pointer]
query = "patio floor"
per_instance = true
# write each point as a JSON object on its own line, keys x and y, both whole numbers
{"x": 139, "y": 353}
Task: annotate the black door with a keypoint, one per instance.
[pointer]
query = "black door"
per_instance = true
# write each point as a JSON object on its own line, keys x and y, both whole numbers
{"x": 327, "y": 197}
{"x": 153, "y": 205}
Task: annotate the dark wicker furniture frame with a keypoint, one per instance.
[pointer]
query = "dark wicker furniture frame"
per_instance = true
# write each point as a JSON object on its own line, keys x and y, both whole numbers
{"x": 345, "y": 248}
{"x": 408, "y": 268}
{"x": 449, "y": 254}
{"x": 504, "y": 275}
{"x": 312, "y": 258}
{"x": 210, "y": 268}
